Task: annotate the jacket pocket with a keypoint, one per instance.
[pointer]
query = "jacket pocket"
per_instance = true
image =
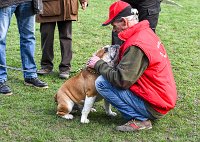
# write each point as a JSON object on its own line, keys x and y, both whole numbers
{"x": 152, "y": 11}
{"x": 51, "y": 8}
{"x": 74, "y": 7}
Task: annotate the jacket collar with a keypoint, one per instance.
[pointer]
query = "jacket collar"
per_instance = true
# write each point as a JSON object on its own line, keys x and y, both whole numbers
{"x": 126, "y": 34}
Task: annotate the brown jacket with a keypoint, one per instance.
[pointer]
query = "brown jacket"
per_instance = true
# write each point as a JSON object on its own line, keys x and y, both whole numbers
{"x": 59, "y": 10}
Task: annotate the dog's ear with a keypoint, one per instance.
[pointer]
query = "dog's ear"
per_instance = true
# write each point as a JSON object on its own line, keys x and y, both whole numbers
{"x": 55, "y": 97}
{"x": 100, "y": 52}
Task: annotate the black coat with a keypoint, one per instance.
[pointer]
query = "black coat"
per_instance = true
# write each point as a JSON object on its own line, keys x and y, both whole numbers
{"x": 148, "y": 10}
{"x": 145, "y": 4}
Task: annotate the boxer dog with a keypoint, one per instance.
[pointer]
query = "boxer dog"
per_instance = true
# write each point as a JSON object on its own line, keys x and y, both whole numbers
{"x": 80, "y": 89}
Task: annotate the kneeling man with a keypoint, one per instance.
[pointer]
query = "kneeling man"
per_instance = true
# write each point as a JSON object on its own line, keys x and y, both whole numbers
{"x": 142, "y": 85}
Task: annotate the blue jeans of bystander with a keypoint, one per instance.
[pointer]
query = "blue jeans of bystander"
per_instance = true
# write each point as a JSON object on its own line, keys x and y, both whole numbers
{"x": 26, "y": 27}
{"x": 130, "y": 105}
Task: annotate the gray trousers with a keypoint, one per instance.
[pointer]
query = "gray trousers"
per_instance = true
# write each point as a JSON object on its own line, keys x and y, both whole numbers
{"x": 47, "y": 42}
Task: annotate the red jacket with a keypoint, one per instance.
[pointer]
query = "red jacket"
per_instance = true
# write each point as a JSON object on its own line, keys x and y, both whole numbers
{"x": 156, "y": 85}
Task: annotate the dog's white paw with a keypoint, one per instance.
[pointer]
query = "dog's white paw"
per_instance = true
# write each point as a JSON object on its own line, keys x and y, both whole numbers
{"x": 93, "y": 110}
{"x": 68, "y": 116}
{"x": 112, "y": 114}
{"x": 85, "y": 120}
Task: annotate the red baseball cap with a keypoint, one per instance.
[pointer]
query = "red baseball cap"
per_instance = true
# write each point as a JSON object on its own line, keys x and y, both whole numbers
{"x": 117, "y": 10}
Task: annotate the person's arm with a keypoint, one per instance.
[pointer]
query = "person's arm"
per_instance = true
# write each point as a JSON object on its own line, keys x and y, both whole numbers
{"x": 130, "y": 68}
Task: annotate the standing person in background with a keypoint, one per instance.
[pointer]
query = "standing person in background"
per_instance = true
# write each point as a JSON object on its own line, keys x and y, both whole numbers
{"x": 24, "y": 14}
{"x": 62, "y": 13}
{"x": 141, "y": 87}
{"x": 147, "y": 9}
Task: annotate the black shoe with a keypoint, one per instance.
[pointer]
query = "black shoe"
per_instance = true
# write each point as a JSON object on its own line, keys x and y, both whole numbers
{"x": 5, "y": 89}
{"x": 35, "y": 82}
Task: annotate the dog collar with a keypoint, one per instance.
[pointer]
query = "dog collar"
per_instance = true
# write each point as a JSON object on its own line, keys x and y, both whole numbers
{"x": 91, "y": 70}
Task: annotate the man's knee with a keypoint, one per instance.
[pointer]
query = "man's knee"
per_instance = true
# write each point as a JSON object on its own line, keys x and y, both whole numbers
{"x": 99, "y": 82}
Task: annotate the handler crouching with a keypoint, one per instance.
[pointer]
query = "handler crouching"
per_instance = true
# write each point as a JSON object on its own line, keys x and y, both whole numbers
{"x": 142, "y": 85}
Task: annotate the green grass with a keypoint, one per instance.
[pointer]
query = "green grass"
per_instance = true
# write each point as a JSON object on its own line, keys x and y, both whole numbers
{"x": 29, "y": 115}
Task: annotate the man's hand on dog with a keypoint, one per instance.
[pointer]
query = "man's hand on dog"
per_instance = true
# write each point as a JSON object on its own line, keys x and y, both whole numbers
{"x": 92, "y": 61}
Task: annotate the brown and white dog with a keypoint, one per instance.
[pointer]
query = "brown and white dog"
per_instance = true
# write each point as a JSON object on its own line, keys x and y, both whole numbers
{"x": 80, "y": 89}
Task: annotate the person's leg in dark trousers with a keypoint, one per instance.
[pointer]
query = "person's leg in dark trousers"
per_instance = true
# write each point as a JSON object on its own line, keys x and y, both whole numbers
{"x": 116, "y": 39}
{"x": 149, "y": 10}
{"x": 65, "y": 36}
{"x": 47, "y": 42}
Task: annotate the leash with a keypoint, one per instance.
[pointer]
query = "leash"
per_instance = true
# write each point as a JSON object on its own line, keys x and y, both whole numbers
{"x": 18, "y": 69}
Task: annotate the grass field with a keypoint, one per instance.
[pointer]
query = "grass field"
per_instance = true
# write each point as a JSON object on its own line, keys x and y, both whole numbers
{"x": 29, "y": 115}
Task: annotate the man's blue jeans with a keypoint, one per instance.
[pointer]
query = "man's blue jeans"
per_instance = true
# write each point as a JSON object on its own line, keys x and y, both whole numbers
{"x": 26, "y": 27}
{"x": 129, "y": 104}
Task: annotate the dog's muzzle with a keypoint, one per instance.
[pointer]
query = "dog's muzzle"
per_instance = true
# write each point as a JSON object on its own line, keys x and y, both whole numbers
{"x": 112, "y": 54}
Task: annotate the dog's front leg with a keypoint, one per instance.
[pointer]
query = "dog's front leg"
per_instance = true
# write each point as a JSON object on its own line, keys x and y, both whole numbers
{"x": 108, "y": 110}
{"x": 89, "y": 101}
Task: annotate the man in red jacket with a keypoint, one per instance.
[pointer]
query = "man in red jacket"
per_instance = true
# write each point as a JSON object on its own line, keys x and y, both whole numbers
{"x": 142, "y": 85}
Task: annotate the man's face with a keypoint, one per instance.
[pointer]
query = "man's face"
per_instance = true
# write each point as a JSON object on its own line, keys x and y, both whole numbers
{"x": 119, "y": 25}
